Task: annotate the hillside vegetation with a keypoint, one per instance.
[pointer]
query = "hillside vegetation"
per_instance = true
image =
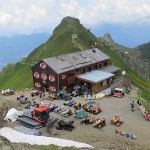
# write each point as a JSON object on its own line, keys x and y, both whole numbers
{"x": 137, "y": 58}
{"x": 69, "y": 36}
{"x": 145, "y": 53}
{"x": 128, "y": 59}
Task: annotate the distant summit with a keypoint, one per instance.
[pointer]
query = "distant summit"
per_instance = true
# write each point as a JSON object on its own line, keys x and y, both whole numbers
{"x": 68, "y": 37}
{"x": 107, "y": 38}
{"x": 129, "y": 35}
{"x": 137, "y": 58}
{"x": 69, "y": 19}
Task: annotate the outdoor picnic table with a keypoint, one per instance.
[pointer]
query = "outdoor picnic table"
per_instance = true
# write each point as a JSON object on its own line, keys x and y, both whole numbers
{"x": 52, "y": 97}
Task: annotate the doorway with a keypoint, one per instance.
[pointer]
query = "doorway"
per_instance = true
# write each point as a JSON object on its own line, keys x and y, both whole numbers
{"x": 44, "y": 86}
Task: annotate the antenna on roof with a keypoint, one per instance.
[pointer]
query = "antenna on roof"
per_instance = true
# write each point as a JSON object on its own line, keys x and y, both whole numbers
{"x": 93, "y": 50}
{"x": 83, "y": 55}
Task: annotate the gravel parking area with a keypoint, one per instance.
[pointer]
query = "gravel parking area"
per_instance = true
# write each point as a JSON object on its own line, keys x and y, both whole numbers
{"x": 105, "y": 137}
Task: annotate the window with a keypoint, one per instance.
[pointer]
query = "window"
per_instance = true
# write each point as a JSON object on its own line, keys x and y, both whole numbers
{"x": 100, "y": 65}
{"x": 44, "y": 76}
{"x": 37, "y": 84}
{"x": 83, "y": 70}
{"x": 64, "y": 87}
{"x": 90, "y": 68}
{"x": 43, "y": 65}
{"x": 104, "y": 82}
{"x": 36, "y": 75}
{"x": 105, "y": 63}
{"x": 51, "y": 78}
{"x": 107, "y": 81}
{"x": 95, "y": 67}
{"x": 71, "y": 74}
{"x": 44, "y": 82}
{"x": 110, "y": 80}
{"x": 52, "y": 88}
{"x": 101, "y": 83}
{"x": 63, "y": 76}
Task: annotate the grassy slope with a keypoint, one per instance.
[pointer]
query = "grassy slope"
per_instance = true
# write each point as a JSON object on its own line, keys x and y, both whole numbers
{"x": 20, "y": 76}
{"x": 117, "y": 61}
{"x": 142, "y": 84}
{"x": 136, "y": 80}
{"x": 145, "y": 52}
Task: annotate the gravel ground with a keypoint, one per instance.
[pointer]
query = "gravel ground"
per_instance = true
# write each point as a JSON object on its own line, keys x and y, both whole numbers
{"x": 105, "y": 137}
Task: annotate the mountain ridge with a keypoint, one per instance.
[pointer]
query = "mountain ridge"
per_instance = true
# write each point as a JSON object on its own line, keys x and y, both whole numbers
{"x": 129, "y": 35}
{"x": 138, "y": 58}
{"x": 59, "y": 43}
{"x": 69, "y": 36}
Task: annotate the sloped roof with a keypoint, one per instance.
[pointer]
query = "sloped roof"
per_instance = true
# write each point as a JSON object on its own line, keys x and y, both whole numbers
{"x": 76, "y": 60}
{"x": 95, "y": 76}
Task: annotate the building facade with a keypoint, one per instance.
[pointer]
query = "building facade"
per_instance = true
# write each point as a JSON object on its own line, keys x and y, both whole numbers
{"x": 61, "y": 72}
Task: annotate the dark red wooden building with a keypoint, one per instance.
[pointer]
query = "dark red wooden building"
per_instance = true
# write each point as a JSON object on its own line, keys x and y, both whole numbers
{"x": 63, "y": 72}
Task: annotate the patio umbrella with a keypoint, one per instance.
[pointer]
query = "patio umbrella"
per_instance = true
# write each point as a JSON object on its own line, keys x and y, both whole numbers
{"x": 81, "y": 114}
{"x": 91, "y": 103}
{"x": 77, "y": 87}
{"x": 62, "y": 92}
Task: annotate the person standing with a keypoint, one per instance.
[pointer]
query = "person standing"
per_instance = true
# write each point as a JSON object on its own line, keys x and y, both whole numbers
{"x": 132, "y": 105}
{"x": 74, "y": 93}
{"x": 43, "y": 96}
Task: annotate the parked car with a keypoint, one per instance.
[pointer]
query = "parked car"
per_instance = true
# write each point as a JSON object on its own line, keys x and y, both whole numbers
{"x": 118, "y": 92}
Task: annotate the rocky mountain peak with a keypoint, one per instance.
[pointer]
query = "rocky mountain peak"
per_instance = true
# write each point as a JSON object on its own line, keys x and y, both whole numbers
{"x": 69, "y": 19}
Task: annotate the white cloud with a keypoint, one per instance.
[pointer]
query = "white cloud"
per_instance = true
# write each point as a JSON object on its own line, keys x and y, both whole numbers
{"x": 27, "y": 16}
{"x": 70, "y": 7}
{"x": 118, "y": 11}
{"x": 33, "y": 14}
{"x": 4, "y": 18}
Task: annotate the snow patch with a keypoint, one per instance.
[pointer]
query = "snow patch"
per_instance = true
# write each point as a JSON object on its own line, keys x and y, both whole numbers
{"x": 18, "y": 137}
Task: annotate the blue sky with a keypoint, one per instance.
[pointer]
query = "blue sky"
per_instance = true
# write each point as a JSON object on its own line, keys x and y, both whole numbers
{"x": 28, "y": 16}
